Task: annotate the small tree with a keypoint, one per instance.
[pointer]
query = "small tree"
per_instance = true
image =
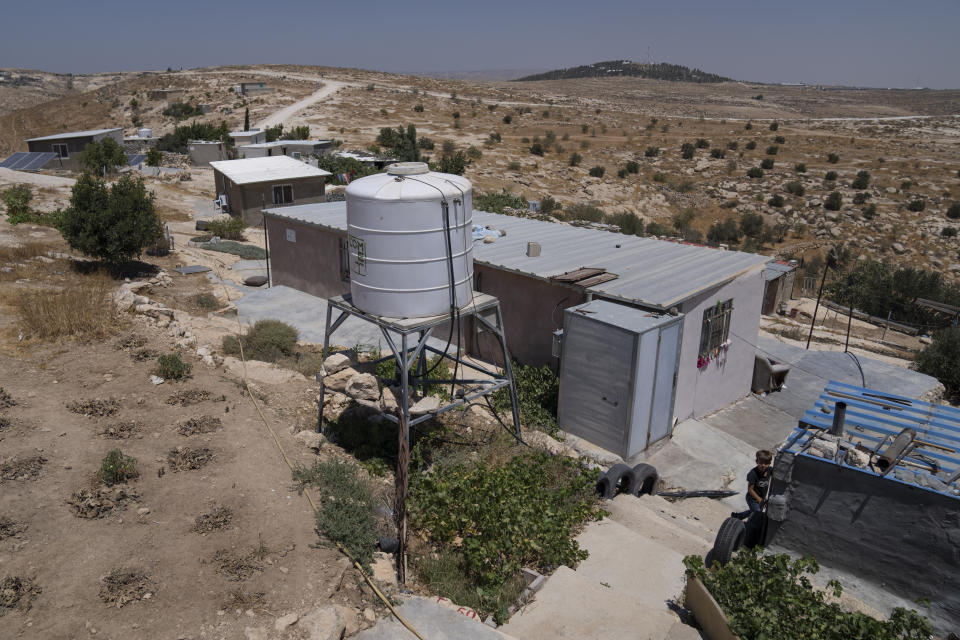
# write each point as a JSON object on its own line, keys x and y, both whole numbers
{"x": 833, "y": 158}
{"x": 917, "y": 205}
{"x": 537, "y": 149}
{"x": 687, "y": 150}
{"x": 717, "y": 153}
{"x": 830, "y": 176}
{"x": 246, "y": 119}
{"x": 598, "y": 171}
{"x": 751, "y": 224}
{"x": 766, "y": 163}
{"x": 112, "y": 224}
{"x": 774, "y": 125}
{"x": 102, "y": 157}
{"x": 862, "y": 181}
{"x": 651, "y": 152}
{"x": 154, "y": 157}
{"x": 939, "y": 359}
{"x": 755, "y": 172}
{"x": 954, "y": 211}
{"x": 834, "y": 201}
{"x": 776, "y": 201}
{"x": 795, "y": 188}
{"x": 750, "y": 146}
{"x": 800, "y": 167}
{"x": 702, "y": 143}
{"x": 575, "y": 159}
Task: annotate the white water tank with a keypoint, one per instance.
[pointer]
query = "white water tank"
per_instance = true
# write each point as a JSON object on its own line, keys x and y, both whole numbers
{"x": 398, "y": 224}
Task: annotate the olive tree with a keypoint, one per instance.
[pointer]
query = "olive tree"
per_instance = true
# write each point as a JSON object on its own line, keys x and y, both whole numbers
{"x": 111, "y": 223}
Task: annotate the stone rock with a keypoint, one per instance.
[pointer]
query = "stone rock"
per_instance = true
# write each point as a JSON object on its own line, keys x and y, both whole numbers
{"x": 543, "y": 442}
{"x": 142, "y": 511}
{"x": 823, "y": 448}
{"x": 138, "y": 300}
{"x": 255, "y": 633}
{"x": 384, "y": 571}
{"x": 388, "y": 400}
{"x": 425, "y": 405}
{"x": 156, "y": 380}
{"x": 836, "y": 232}
{"x": 336, "y": 362}
{"x": 283, "y": 622}
{"x": 334, "y": 405}
{"x": 363, "y": 386}
{"x": 134, "y": 287}
{"x": 323, "y": 623}
{"x": 857, "y": 458}
{"x": 338, "y": 381}
{"x": 350, "y": 617}
{"x": 310, "y": 439}
{"x": 898, "y": 248}
{"x": 123, "y": 299}
{"x": 369, "y": 615}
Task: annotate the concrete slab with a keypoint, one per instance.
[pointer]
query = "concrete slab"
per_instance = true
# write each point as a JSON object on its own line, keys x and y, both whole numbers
{"x": 618, "y": 556}
{"x": 431, "y": 620}
{"x": 754, "y": 421}
{"x": 308, "y": 314}
{"x": 570, "y": 606}
{"x": 634, "y": 514}
{"x": 256, "y": 266}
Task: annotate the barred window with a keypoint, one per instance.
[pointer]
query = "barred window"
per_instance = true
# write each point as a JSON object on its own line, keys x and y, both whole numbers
{"x": 716, "y": 327}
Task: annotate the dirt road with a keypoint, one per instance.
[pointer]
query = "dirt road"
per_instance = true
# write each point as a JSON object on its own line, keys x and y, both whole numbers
{"x": 329, "y": 88}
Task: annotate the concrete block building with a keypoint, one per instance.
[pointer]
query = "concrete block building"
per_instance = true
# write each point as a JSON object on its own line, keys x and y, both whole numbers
{"x": 204, "y": 152}
{"x": 68, "y": 145}
{"x": 718, "y": 293}
{"x": 294, "y": 148}
{"x": 253, "y": 136}
{"x": 254, "y": 183}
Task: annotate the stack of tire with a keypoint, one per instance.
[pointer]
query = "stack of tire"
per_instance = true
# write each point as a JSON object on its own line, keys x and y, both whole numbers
{"x": 637, "y": 481}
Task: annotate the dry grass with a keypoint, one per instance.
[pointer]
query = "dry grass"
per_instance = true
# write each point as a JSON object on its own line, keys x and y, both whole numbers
{"x": 82, "y": 311}
{"x": 23, "y": 251}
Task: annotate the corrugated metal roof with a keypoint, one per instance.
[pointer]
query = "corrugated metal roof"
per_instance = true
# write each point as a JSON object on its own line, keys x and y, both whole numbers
{"x": 253, "y": 170}
{"x": 280, "y": 143}
{"x": 650, "y": 272}
{"x": 73, "y": 134}
{"x": 776, "y": 269}
{"x": 874, "y": 415}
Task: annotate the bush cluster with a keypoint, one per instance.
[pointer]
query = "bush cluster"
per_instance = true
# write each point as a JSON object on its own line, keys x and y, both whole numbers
{"x": 172, "y": 367}
{"x": 117, "y": 468}
{"x": 266, "y": 340}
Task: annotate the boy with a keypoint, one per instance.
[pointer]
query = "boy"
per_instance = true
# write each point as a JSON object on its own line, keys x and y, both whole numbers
{"x": 758, "y": 482}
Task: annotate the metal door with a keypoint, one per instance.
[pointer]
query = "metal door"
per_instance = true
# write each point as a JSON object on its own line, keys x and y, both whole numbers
{"x": 665, "y": 383}
{"x": 595, "y": 383}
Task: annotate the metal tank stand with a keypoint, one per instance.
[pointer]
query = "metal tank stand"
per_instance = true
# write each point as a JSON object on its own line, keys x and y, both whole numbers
{"x": 412, "y": 350}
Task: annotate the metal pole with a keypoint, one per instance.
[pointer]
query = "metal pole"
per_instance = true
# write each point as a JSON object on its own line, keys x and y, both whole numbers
{"x": 400, "y": 502}
{"x": 266, "y": 248}
{"x": 849, "y": 321}
{"x": 817, "y": 307}
{"x": 508, "y": 368}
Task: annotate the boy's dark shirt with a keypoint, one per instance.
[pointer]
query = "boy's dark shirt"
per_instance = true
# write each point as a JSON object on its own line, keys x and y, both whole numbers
{"x": 760, "y": 482}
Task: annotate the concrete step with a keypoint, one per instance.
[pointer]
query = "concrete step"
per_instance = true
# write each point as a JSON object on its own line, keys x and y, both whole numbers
{"x": 639, "y": 516}
{"x": 630, "y": 564}
{"x": 573, "y": 606}
{"x": 702, "y": 514}
{"x": 432, "y": 620}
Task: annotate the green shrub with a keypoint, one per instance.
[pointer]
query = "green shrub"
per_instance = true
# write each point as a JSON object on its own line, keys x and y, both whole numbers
{"x": 172, "y": 367}
{"x": 687, "y": 150}
{"x": 182, "y": 111}
{"x": 948, "y": 232}
{"x": 862, "y": 181}
{"x": 833, "y": 202}
{"x": 575, "y": 159}
{"x": 774, "y": 125}
{"x": 751, "y": 224}
{"x": 766, "y": 163}
{"x": 916, "y": 205}
{"x": 833, "y": 158}
{"x": 750, "y": 146}
{"x": 776, "y": 201}
{"x": 266, "y": 340}
{"x": 659, "y": 177}
{"x": 651, "y": 152}
{"x": 227, "y": 228}
{"x": 426, "y": 143}
{"x": 939, "y": 359}
{"x": 498, "y": 202}
{"x": 830, "y": 176}
{"x": 112, "y": 223}
{"x": 507, "y": 119}
{"x": 474, "y": 153}
{"x": 772, "y": 150}
{"x": 702, "y": 143}
{"x": 870, "y": 212}
{"x": 16, "y": 199}
{"x": 629, "y": 223}
{"x": 549, "y": 205}
{"x": 861, "y": 197}
{"x": 537, "y": 149}
{"x": 345, "y": 513}
{"x": 513, "y": 166}
{"x": 418, "y": 108}
{"x": 755, "y": 172}
{"x": 117, "y": 468}
{"x": 103, "y": 156}
{"x": 726, "y": 231}
{"x": 524, "y": 513}
{"x": 538, "y": 390}
{"x": 597, "y": 171}
{"x": 954, "y": 211}
{"x": 732, "y": 145}
{"x": 621, "y": 173}
{"x": 795, "y": 188}
{"x": 154, "y": 157}
{"x": 800, "y": 167}
{"x": 770, "y": 596}
{"x": 748, "y": 126}
{"x": 717, "y": 153}
{"x": 245, "y": 251}
{"x": 779, "y": 140}
{"x": 633, "y": 167}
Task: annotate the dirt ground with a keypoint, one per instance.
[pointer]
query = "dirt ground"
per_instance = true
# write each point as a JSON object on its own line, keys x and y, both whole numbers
{"x": 176, "y": 552}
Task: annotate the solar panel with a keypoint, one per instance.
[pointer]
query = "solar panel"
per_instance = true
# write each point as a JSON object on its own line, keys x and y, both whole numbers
{"x": 137, "y": 158}
{"x": 10, "y": 162}
{"x": 36, "y": 161}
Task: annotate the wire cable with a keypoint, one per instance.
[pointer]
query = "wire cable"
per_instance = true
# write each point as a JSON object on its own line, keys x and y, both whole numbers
{"x": 286, "y": 459}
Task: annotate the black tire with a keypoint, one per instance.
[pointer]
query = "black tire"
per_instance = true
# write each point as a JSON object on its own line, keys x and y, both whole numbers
{"x": 754, "y": 529}
{"x": 621, "y": 478}
{"x": 730, "y": 537}
{"x": 604, "y": 488}
{"x": 645, "y": 478}
{"x": 388, "y": 544}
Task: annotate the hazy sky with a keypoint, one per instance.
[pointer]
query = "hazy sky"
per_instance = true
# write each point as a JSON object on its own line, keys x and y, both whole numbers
{"x": 855, "y": 42}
